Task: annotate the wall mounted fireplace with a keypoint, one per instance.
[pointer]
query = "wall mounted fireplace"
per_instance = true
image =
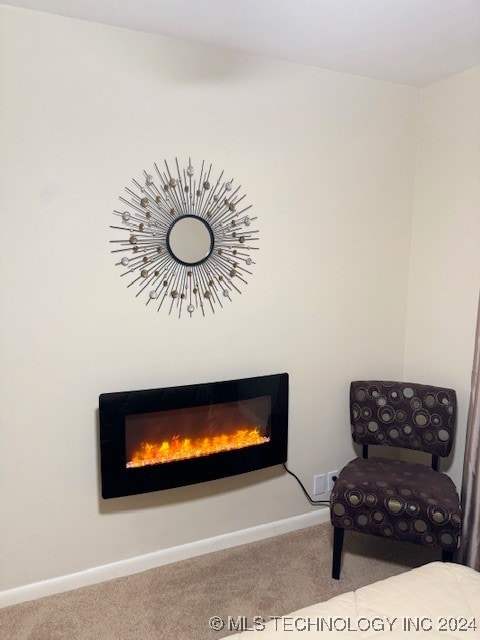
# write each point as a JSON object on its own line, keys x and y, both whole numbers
{"x": 170, "y": 437}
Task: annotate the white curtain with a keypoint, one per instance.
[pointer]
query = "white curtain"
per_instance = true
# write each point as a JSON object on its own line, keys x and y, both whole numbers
{"x": 470, "y": 538}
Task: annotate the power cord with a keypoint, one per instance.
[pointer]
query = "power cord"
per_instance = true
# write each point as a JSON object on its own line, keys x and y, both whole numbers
{"x": 303, "y": 488}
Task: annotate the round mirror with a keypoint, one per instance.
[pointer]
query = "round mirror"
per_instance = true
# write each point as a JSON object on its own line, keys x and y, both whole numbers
{"x": 190, "y": 240}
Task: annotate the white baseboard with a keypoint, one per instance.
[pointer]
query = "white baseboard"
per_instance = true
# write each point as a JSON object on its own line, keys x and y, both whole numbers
{"x": 158, "y": 558}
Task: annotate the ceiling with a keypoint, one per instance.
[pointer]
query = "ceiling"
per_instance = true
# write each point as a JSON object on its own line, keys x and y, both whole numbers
{"x": 413, "y": 42}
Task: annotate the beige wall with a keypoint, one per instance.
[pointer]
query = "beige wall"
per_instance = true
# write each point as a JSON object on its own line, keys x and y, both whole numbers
{"x": 328, "y": 162}
{"x": 445, "y": 263}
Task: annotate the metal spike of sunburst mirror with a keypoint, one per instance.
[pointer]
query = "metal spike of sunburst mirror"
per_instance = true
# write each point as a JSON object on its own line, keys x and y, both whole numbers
{"x": 186, "y": 239}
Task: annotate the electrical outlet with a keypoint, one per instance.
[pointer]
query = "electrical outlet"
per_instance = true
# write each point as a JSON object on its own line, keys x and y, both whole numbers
{"x": 319, "y": 483}
{"x": 330, "y": 479}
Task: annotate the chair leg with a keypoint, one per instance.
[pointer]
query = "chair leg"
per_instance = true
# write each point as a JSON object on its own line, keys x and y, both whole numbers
{"x": 447, "y": 556}
{"x": 338, "y": 534}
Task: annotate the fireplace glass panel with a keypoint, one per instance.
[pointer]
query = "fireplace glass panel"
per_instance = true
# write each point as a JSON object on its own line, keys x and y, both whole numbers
{"x": 156, "y": 439}
{"x": 191, "y": 432}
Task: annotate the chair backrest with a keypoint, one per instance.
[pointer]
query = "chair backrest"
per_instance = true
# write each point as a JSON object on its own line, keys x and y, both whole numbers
{"x": 403, "y": 414}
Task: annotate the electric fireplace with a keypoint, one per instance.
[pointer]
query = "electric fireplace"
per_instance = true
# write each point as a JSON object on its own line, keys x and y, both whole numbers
{"x": 170, "y": 437}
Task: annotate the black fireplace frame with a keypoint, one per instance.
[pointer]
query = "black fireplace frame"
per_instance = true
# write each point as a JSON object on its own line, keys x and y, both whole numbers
{"x": 118, "y": 480}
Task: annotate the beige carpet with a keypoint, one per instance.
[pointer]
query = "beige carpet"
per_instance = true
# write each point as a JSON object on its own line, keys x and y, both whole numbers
{"x": 270, "y": 577}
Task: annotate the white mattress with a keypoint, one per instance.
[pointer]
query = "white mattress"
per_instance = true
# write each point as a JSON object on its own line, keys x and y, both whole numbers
{"x": 438, "y": 600}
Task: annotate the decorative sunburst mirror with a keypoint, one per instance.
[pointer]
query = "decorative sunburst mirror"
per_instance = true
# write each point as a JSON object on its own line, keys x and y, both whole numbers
{"x": 186, "y": 239}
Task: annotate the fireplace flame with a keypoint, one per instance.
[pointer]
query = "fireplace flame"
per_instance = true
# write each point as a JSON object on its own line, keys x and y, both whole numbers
{"x": 184, "y": 448}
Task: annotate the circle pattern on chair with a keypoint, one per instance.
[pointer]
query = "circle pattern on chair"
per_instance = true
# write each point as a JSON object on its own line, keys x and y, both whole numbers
{"x": 406, "y": 415}
{"x": 411, "y": 502}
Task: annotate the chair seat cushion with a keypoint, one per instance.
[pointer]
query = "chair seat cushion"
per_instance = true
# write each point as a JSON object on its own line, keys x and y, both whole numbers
{"x": 396, "y": 499}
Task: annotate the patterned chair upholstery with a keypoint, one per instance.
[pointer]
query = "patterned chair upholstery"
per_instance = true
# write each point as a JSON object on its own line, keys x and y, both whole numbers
{"x": 391, "y": 498}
